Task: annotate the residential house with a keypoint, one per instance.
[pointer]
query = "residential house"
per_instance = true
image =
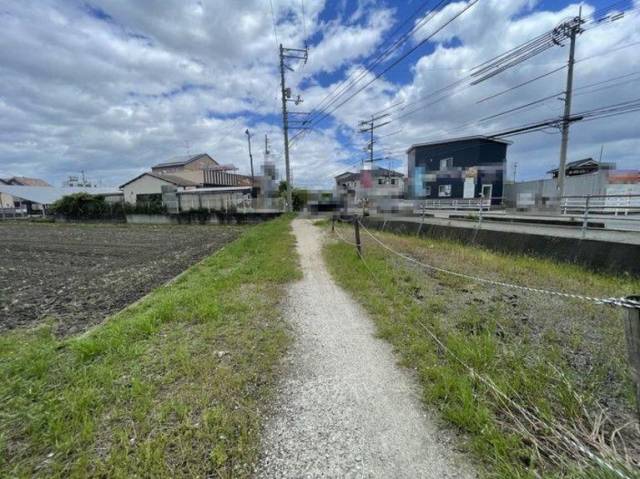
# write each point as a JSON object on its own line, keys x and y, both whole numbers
{"x": 180, "y": 174}
{"x": 9, "y": 201}
{"x": 465, "y": 168}
{"x": 369, "y": 184}
{"x": 146, "y": 188}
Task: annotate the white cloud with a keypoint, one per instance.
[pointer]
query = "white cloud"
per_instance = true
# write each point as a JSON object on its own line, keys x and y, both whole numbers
{"x": 112, "y": 87}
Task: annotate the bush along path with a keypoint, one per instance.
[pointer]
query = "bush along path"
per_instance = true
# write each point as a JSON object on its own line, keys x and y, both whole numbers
{"x": 344, "y": 408}
{"x": 549, "y": 393}
{"x": 174, "y": 386}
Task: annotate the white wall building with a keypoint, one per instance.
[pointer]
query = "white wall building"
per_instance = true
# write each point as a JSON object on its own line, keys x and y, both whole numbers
{"x": 147, "y": 187}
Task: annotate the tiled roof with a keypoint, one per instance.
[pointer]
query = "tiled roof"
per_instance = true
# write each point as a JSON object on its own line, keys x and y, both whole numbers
{"x": 181, "y": 161}
{"x": 176, "y": 180}
{"x": 25, "y": 181}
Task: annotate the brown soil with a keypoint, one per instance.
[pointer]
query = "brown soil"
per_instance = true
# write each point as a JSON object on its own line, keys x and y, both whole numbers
{"x": 79, "y": 274}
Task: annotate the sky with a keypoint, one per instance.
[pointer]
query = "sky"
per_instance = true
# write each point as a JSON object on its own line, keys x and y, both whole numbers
{"x": 110, "y": 87}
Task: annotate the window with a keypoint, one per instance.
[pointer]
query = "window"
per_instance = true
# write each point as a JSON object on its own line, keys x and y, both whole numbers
{"x": 381, "y": 181}
{"x": 427, "y": 190}
{"x": 444, "y": 191}
{"x": 446, "y": 164}
{"x": 393, "y": 181}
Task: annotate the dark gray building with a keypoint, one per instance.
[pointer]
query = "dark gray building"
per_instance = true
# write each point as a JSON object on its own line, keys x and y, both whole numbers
{"x": 470, "y": 167}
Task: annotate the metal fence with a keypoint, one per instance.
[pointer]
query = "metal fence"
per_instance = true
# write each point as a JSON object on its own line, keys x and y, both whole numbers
{"x": 612, "y": 212}
{"x": 601, "y": 204}
{"x": 12, "y": 213}
{"x": 457, "y": 204}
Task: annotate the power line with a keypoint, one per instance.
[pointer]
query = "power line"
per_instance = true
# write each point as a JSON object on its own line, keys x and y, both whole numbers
{"x": 349, "y": 82}
{"x": 398, "y": 60}
{"x": 515, "y": 87}
{"x": 273, "y": 21}
{"x": 508, "y": 55}
{"x": 515, "y": 109}
{"x": 304, "y": 20}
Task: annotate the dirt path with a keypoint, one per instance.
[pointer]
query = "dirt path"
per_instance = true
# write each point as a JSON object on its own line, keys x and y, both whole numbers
{"x": 345, "y": 409}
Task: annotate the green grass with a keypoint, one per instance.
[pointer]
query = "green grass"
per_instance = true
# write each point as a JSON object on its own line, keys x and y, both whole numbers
{"x": 565, "y": 360}
{"x": 171, "y": 387}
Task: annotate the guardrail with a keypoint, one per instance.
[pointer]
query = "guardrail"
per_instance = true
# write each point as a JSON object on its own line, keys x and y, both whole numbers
{"x": 457, "y": 204}
{"x": 601, "y": 204}
{"x": 11, "y": 213}
{"x": 615, "y": 212}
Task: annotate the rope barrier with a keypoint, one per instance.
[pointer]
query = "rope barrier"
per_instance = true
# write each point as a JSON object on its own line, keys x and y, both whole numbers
{"x": 621, "y": 302}
{"x": 344, "y": 240}
{"x": 530, "y": 417}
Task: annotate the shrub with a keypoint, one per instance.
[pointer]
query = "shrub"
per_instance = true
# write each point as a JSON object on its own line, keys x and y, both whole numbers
{"x": 84, "y": 206}
{"x": 151, "y": 208}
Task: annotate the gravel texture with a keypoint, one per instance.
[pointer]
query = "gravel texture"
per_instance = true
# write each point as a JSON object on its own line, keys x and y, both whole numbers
{"x": 344, "y": 408}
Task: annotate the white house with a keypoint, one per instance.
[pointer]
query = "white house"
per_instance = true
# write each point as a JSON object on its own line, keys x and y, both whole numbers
{"x": 370, "y": 184}
{"x": 147, "y": 187}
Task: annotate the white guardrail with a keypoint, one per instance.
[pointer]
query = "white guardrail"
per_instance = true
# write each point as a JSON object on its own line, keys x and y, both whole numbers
{"x": 601, "y": 204}
{"x": 10, "y": 213}
{"x": 456, "y": 204}
{"x": 615, "y": 212}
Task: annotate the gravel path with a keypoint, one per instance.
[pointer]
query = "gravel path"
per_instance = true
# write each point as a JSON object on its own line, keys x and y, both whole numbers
{"x": 344, "y": 408}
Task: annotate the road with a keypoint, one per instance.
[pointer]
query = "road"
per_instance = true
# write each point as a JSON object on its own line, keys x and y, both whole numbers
{"x": 345, "y": 408}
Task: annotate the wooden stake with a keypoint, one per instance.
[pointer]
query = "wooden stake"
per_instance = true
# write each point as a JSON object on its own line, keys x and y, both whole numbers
{"x": 356, "y": 225}
{"x": 632, "y": 333}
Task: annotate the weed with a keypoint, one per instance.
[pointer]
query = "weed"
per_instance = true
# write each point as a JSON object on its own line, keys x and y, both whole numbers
{"x": 172, "y": 387}
{"x": 549, "y": 355}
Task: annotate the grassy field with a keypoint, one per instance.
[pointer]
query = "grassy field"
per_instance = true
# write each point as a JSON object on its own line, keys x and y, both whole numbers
{"x": 561, "y": 364}
{"x": 171, "y": 387}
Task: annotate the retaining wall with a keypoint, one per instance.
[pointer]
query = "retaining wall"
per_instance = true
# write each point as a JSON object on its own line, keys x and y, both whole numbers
{"x": 600, "y": 256}
{"x": 197, "y": 217}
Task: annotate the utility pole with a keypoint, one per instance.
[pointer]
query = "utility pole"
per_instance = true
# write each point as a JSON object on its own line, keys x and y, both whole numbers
{"x": 250, "y": 159}
{"x": 515, "y": 170}
{"x": 369, "y": 126}
{"x": 569, "y": 29}
{"x": 295, "y": 54}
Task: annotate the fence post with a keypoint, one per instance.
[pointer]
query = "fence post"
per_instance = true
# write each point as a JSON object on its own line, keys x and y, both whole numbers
{"x": 632, "y": 334}
{"x": 356, "y": 225}
{"x": 480, "y": 212}
{"x": 585, "y": 219}
{"x": 333, "y": 223}
{"x": 424, "y": 212}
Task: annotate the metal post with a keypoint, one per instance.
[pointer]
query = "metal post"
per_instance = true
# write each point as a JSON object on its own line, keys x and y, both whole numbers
{"x": 424, "y": 212}
{"x": 480, "y": 212}
{"x": 585, "y": 219}
{"x": 632, "y": 334}
{"x": 356, "y": 225}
